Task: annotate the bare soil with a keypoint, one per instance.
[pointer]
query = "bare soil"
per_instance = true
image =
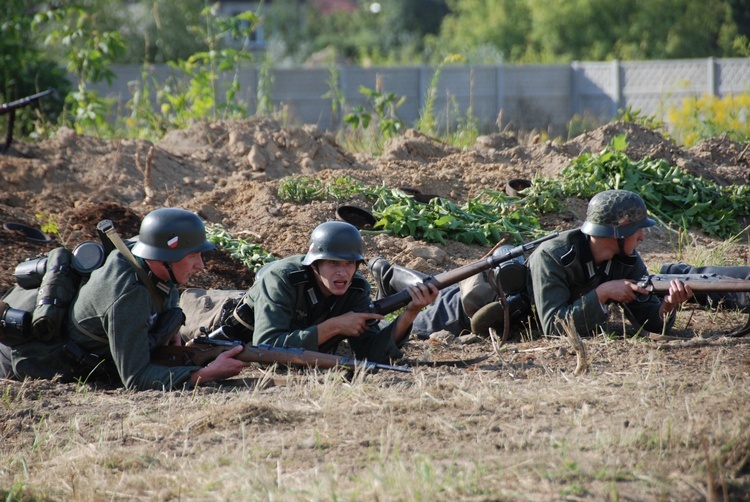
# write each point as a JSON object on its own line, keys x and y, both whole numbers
{"x": 648, "y": 420}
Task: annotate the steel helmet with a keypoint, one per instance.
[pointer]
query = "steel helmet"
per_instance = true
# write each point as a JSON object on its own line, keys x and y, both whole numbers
{"x": 334, "y": 240}
{"x": 616, "y": 213}
{"x": 170, "y": 234}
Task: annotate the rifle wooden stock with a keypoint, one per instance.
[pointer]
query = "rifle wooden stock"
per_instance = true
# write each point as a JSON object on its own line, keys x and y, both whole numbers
{"x": 699, "y": 283}
{"x": 398, "y": 300}
{"x": 204, "y": 350}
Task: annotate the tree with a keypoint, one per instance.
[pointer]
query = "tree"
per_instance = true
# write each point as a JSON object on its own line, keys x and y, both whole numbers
{"x": 472, "y": 24}
{"x": 24, "y": 68}
{"x": 568, "y": 30}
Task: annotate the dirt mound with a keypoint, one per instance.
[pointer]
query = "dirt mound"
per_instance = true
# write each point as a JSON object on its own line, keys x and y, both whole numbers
{"x": 415, "y": 146}
{"x": 229, "y": 173}
{"x": 522, "y": 415}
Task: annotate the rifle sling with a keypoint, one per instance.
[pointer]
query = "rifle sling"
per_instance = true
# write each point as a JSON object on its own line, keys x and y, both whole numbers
{"x": 145, "y": 279}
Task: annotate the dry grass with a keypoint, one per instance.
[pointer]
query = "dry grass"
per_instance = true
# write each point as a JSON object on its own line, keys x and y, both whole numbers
{"x": 639, "y": 425}
{"x": 633, "y": 420}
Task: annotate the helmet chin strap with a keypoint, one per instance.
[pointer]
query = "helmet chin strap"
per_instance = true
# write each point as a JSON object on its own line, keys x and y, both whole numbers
{"x": 169, "y": 269}
{"x": 621, "y": 246}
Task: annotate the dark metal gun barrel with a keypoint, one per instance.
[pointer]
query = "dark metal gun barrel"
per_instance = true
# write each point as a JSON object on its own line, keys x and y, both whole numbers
{"x": 398, "y": 300}
{"x": 20, "y": 103}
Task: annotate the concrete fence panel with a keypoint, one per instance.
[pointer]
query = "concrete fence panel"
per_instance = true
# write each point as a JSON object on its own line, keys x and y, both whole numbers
{"x": 519, "y": 96}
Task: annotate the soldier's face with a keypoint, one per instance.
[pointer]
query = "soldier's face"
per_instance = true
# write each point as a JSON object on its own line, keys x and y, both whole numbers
{"x": 334, "y": 277}
{"x": 632, "y": 242}
{"x": 186, "y": 267}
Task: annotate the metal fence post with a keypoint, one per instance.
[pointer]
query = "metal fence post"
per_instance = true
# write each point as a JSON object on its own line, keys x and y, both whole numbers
{"x": 617, "y": 87}
{"x": 499, "y": 93}
{"x": 711, "y": 80}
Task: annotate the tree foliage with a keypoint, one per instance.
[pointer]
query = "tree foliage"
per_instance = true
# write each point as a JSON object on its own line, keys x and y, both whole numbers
{"x": 25, "y": 68}
{"x": 569, "y": 30}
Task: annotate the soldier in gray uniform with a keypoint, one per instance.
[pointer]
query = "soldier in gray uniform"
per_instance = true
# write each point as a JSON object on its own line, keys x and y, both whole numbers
{"x": 576, "y": 275}
{"x": 573, "y": 276}
{"x": 114, "y": 321}
{"x": 314, "y": 301}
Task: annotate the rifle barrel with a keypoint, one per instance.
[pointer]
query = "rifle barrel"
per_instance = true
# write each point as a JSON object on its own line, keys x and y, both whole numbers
{"x": 204, "y": 350}
{"x": 699, "y": 283}
{"x": 402, "y": 298}
{"x": 19, "y": 103}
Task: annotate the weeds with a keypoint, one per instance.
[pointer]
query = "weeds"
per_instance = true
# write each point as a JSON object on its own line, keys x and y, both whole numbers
{"x": 672, "y": 195}
{"x": 252, "y": 255}
{"x": 483, "y": 220}
{"x": 380, "y": 109}
{"x": 711, "y": 117}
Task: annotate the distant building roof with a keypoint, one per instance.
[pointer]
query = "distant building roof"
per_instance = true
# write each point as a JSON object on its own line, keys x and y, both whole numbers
{"x": 329, "y": 6}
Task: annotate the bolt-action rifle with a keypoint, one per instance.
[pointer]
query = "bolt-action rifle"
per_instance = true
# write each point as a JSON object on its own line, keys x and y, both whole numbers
{"x": 720, "y": 287}
{"x": 13, "y": 106}
{"x": 202, "y": 350}
{"x": 205, "y": 348}
{"x": 398, "y": 300}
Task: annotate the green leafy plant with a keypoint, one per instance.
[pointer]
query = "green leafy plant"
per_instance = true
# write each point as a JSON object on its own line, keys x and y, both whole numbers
{"x": 200, "y": 98}
{"x": 263, "y": 93}
{"x": 88, "y": 53}
{"x": 427, "y": 121}
{"x": 335, "y": 94}
{"x": 482, "y": 220}
{"x": 636, "y": 117}
{"x": 672, "y": 195}
{"x": 48, "y": 223}
{"x": 383, "y": 106}
{"x": 250, "y": 254}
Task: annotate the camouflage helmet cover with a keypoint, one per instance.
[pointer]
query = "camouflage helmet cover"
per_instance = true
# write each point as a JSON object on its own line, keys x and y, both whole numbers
{"x": 334, "y": 240}
{"x": 616, "y": 213}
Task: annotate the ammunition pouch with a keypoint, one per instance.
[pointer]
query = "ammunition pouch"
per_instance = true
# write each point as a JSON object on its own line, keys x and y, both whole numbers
{"x": 492, "y": 315}
{"x": 167, "y": 324}
{"x": 85, "y": 365}
{"x": 58, "y": 289}
{"x": 15, "y": 316}
{"x": 81, "y": 361}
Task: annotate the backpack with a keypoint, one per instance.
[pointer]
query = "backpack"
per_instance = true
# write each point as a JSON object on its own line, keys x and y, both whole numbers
{"x": 37, "y": 307}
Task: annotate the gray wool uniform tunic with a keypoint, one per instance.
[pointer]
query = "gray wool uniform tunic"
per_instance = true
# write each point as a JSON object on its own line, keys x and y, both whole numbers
{"x": 119, "y": 311}
{"x": 288, "y": 305}
{"x": 563, "y": 278}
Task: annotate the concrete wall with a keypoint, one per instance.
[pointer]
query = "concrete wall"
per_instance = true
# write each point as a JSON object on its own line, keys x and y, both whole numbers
{"x": 519, "y": 96}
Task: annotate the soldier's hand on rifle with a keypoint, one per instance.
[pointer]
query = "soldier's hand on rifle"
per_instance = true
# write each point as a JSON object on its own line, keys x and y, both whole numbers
{"x": 223, "y": 367}
{"x": 421, "y": 296}
{"x": 349, "y": 324}
{"x": 620, "y": 291}
{"x": 679, "y": 292}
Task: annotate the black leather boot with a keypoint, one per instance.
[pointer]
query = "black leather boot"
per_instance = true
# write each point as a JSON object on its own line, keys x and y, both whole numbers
{"x": 391, "y": 279}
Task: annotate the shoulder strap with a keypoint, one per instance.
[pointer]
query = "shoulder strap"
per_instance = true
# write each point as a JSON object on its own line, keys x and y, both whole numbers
{"x": 108, "y": 228}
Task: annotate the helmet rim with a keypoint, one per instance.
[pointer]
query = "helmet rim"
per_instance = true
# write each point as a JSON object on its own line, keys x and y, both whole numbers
{"x": 334, "y": 240}
{"x": 170, "y": 234}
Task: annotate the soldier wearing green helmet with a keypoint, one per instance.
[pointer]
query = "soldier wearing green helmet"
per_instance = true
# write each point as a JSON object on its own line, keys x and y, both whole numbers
{"x": 315, "y": 300}
{"x": 118, "y": 314}
{"x": 574, "y": 277}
